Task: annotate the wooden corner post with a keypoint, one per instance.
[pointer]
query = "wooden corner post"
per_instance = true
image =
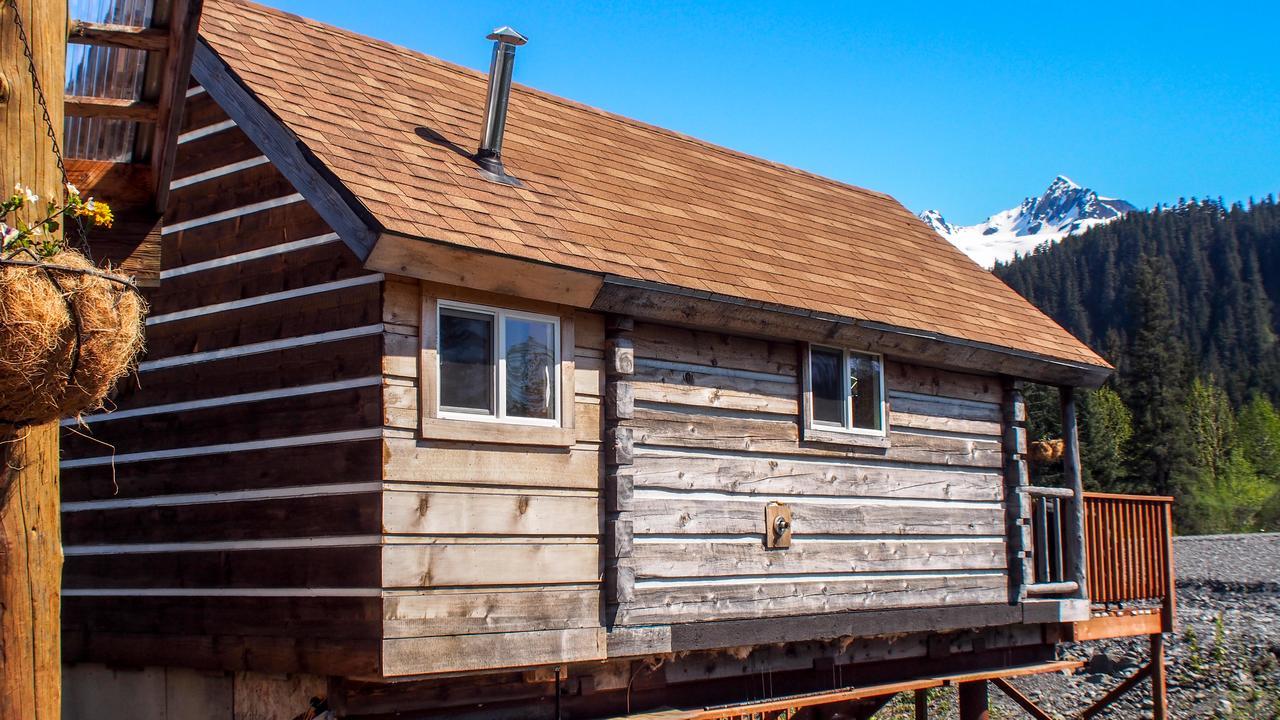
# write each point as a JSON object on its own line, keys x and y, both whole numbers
{"x": 30, "y": 544}
{"x": 619, "y": 407}
{"x": 1073, "y": 523}
{"x": 1017, "y": 505}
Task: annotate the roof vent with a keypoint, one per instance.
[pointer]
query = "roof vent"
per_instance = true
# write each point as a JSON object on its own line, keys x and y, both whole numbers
{"x": 489, "y": 156}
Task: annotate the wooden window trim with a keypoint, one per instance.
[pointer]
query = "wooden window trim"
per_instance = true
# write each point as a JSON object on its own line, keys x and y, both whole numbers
{"x": 434, "y": 427}
{"x": 812, "y": 432}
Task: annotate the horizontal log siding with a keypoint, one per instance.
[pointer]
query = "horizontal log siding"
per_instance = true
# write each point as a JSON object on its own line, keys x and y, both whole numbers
{"x": 716, "y": 437}
{"x": 495, "y": 561}
{"x": 264, "y": 553}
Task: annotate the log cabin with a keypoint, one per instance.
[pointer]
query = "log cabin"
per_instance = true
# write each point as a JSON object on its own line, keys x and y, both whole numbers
{"x": 595, "y": 420}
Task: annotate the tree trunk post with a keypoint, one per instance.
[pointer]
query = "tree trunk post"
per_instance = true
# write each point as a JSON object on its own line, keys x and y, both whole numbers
{"x": 1073, "y": 527}
{"x": 30, "y": 542}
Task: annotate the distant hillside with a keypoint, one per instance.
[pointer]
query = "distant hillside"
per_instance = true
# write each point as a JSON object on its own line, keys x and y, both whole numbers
{"x": 1221, "y": 271}
{"x": 1064, "y": 208}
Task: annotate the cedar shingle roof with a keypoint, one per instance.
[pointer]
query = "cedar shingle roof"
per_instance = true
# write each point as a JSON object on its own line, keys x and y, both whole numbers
{"x": 608, "y": 194}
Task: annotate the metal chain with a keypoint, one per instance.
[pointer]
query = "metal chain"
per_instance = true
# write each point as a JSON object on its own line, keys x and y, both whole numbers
{"x": 35, "y": 85}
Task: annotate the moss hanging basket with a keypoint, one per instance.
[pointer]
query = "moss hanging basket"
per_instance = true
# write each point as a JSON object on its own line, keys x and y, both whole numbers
{"x": 68, "y": 332}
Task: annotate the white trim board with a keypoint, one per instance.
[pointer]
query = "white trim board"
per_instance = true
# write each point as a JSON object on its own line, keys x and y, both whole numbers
{"x": 207, "y": 130}
{"x": 181, "y": 452}
{"x": 206, "y": 545}
{"x": 260, "y": 347}
{"x": 213, "y": 498}
{"x": 249, "y": 255}
{"x": 265, "y": 299}
{"x": 232, "y": 213}
{"x": 218, "y": 172}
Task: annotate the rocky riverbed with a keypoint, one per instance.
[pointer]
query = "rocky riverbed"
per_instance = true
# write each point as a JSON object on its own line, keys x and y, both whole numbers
{"x": 1224, "y": 660}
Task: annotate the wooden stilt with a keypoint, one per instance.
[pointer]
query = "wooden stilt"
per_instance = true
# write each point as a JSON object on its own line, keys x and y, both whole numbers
{"x": 1159, "y": 696}
{"x": 1124, "y": 687}
{"x": 922, "y": 705}
{"x": 973, "y": 700}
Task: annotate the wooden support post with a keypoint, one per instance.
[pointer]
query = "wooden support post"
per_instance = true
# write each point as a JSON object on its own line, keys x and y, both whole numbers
{"x": 1159, "y": 684}
{"x": 30, "y": 546}
{"x": 973, "y": 700}
{"x": 1023, "y": 701}
{"x": 1073, "y": 525}
{"x": 1017, "y": 503}
{"x": 922, "y": 705}
{"x": 1105, "y": 701}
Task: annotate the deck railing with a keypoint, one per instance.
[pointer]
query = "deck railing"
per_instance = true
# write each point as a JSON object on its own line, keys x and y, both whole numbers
{"x": 1128, "y": 547}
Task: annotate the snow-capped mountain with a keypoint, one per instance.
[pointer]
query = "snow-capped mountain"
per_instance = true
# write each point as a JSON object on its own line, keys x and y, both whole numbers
{"x": 1063, "y": 209}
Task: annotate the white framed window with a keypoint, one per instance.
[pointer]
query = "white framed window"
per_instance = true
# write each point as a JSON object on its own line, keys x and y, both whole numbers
{"x": 497, "y": 365}
{"x": 844, "y": 395}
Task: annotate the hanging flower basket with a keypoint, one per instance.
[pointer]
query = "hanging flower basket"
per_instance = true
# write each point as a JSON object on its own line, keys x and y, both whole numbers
{"x": 68, "y": 330}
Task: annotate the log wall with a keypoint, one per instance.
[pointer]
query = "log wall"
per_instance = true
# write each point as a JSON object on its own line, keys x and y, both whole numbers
{"x": 713, "y": 436}
{"x": 228, "y": 512}
{"x": 493, "y": 548}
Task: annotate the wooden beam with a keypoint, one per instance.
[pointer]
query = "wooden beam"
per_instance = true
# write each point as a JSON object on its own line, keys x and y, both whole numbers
{"x": 184, "y": 22}
{"x": 121, "y": 36}
{"x": 1105, "y": 701}
{"x": 30, "y": 546}
{"x": 111, "y": 108}
{"x": 1159, "y": 684}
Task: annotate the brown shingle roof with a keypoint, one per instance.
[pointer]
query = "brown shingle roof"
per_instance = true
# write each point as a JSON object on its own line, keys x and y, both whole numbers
{"x": 664, "y": 207}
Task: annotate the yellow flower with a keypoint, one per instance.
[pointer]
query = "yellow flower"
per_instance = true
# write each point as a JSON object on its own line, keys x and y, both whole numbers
{"x": 102, "y": 214}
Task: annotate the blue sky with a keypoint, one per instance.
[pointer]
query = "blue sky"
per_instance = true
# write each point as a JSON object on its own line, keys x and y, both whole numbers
{"x": 964, "y": 107}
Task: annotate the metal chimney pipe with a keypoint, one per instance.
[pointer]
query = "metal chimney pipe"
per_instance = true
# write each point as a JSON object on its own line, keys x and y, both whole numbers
{"x": 505, "y": 41}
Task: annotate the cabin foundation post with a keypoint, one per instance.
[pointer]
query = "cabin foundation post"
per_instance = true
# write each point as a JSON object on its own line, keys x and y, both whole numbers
{"x": 974, "y": 701}
{"x": 1073, "y": 530}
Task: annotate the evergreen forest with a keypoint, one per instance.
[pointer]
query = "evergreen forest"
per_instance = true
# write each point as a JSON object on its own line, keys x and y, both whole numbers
{"x": 1184, "y": 301}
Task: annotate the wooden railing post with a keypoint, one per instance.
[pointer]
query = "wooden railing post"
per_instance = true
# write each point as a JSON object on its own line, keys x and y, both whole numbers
{"x": 1074, "y": 522}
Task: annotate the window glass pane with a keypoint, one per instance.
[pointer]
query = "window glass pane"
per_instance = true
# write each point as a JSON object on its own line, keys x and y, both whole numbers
{"x": 531, "y": 368}
{"x": 827, "y": 385}
{"x": 864, "y": 391}
{"x": 467, "y": 370}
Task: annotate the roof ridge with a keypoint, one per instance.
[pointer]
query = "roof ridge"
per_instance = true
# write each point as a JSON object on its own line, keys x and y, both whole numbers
{"x": 564, "y": 101}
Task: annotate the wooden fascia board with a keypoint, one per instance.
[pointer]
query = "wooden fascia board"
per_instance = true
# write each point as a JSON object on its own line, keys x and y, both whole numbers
{"x": 449, "y": 264}
{"x": 353, "y": 223}
{"x": 682, "y": 306}
{"x": 183, "y": 30}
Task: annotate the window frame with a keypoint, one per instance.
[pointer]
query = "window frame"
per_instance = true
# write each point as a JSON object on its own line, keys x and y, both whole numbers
{"x": 845, "y": 433}
{"x": 442, "y": 424}
{"x": 500, "y": 316}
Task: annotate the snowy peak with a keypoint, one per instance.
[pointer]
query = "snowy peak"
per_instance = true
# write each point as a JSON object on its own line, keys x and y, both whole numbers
{"x": 1064, "y": 208}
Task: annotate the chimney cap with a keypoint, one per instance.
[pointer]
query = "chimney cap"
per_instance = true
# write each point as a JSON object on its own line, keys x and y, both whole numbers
{"x": 507, "y": 34}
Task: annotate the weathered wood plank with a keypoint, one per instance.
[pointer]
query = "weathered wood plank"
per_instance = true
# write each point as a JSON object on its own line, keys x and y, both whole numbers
{"x": 490, "y": 610}
{"x": 250, "y": 470}
{"x": 306, "y": 616}
{"x": 662, "y": 427}
{"x": 442, "y": 565}
{"x": 713, "y": 390}
{"x": 228, "y": 192}
{"x": 933, "y": 381}
{"x": 787, "y": 476}
{"x": 916, "y": 404}
{"x": 675, "y": 514}
{"x": 479, "y": 464}
{"x": 321, "y": 656}
{"x": 673, "y": 344}
{"x": 662, "y": 605}
{"x": 706, "y": 559}
{"x": 455, "y": 513}
{"x": 314, "y": 567}
{"x": 414, "y": 656}
{"x": 903, "y": 420}
{"x": 295, "y": 221}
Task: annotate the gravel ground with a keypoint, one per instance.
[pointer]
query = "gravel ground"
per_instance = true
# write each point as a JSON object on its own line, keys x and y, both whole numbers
{"x": 1223, "y": 658}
